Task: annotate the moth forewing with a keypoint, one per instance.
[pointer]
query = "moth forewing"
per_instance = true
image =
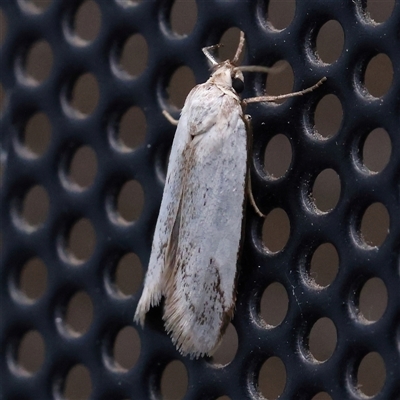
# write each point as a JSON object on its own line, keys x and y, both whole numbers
{"x": 157, "y": 270}
{"x": 199, "y": 296}
{"x": 193, "y": 261}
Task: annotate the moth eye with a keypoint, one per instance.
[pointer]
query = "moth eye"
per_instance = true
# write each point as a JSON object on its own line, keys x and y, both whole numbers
{"x": 238, "y": 85}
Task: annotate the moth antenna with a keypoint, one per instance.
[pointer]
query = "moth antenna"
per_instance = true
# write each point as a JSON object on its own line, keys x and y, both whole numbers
{"x": 260, "y": 99}
{"x": 239, "y": 49}
{"x": 210, "y": 57}
{"x": 260, "y": 68}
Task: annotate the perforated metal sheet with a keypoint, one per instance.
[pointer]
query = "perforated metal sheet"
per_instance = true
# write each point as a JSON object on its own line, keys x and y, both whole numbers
{"x": 309, "y": 227}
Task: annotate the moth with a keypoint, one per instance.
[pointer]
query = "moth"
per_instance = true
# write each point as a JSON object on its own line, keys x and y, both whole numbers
{"x": 194, "y": 256}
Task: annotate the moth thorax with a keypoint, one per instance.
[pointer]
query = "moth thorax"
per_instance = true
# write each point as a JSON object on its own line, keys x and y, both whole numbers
{"x": 227, "y": 75}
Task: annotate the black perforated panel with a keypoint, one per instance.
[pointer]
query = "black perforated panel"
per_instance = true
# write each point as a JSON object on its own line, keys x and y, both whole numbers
{"x": 91, "y": 270}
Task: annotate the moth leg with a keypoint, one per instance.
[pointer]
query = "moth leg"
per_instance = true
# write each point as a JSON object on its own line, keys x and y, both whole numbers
{"x": 284, "y": 96}
{"x": 251, "y": 197}
{"x": 170, "y": 118}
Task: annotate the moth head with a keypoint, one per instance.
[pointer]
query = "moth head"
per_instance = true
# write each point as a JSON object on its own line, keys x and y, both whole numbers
{"x": 227, "y": 75}
{"x": 237, "y": 80}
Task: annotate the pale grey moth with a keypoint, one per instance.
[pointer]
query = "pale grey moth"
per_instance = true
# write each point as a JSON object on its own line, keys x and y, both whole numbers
{"x": 193, "y": 261}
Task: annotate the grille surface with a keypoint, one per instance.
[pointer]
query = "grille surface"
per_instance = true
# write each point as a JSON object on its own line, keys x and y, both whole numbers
{"x": 67, "y": 235}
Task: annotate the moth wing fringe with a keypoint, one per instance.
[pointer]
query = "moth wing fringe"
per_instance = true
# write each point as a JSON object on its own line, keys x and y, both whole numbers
{"x": 149, "y": 298}
{"x": 180, "y": 328}
{"x": 177, "y": 322}
{"x": 151, "y": 295}
{"x": 182, "y": 324}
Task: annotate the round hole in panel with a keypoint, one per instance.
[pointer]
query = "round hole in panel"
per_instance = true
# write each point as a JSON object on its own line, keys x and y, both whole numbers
{"x": 31, "y": 352}
{"x": 174, "y": 381}
{"x": 230, "y": 42}
{"x": 376, "y": 150}
{"x": 183, "y": 17}
{"x": 33, "y": 210}
{"x": 77, "y": 384}
{"x": 276, "y": 230}
{"x": 272, "y": 378}
{"x": 375, "y": 225}
{"x": 373, "y": 300}
{"x": 322, "y": 396}
{"x": 227, "y": 349}
{"x": 133, "y": 58}
{"x": 130, "y": 201}
{"x": 33, "y": 279}
{"x": 87, "y": 22}
{"x": 277, "y": 156}
{"x": 132, "y": 129}
{"x": 330, "y": 40}
{"x": 83, "y": 168}
{"x": 37, "y": 134}
{"x": 78, "y": 315}
{"x": 371, "y": 374}
{"x": 81, "y": 241}
{"x": 128, "y": 274}
{"x": 38, "y": 62}
{"x": 3, "y": 26}
{"x": 280, "y": 82}
{"x": 180, "y": 84}
{"x": 326, "y": 190}
{"x": 280, "y": 13}
{"x": 324, "y": 265}
{"x": 328, "y": 116}
{"x": 322, "y": 339}
{"x": 126, "y": 348}
{"x": 274, "y": 304}
{"x": 378, "y": 75}
{"x": 379, "y": 11}
{"x": 36, "y": 206}
{"x": 84, "y": 97}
